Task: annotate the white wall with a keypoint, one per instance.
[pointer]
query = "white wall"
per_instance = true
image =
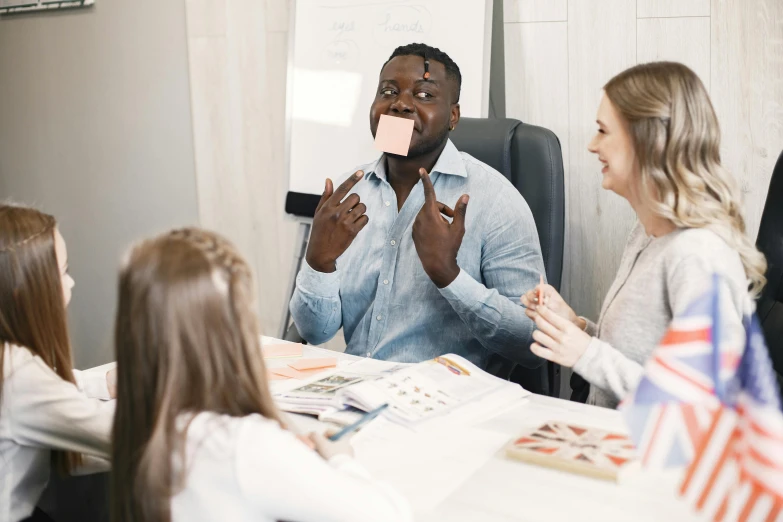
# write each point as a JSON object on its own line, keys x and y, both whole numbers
{"x": 95, "y": 128}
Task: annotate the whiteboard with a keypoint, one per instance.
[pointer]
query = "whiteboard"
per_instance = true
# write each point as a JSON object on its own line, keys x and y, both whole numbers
{"x": 337, "y": 50}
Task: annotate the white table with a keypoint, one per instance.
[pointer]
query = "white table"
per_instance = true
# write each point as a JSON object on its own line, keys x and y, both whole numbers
{"x": 500, "y": 490}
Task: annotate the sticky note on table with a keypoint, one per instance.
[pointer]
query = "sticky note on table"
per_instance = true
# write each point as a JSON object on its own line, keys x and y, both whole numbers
{"x": 271, "y": 376}
{"x": 310, "y": 364}
{"x": 289, "y": 373}
{"x": 393, "y": 135}
{"x": 277, "y": 351}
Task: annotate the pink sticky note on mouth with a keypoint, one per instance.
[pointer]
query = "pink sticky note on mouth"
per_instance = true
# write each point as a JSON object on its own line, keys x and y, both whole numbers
{"x": 394, "y": 135}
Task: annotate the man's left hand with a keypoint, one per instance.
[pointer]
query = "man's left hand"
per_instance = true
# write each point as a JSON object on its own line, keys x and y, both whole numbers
{"x": 437, "y": 241}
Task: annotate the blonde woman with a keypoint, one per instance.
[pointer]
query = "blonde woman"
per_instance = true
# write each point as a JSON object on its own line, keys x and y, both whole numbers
{"x": 46, "y": 413}
{"x": 658, "y": 142}
{"x": 196, "y": 434}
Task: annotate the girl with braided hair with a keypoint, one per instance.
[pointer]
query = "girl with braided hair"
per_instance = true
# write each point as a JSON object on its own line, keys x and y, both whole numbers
{"x": 196, "y": 434}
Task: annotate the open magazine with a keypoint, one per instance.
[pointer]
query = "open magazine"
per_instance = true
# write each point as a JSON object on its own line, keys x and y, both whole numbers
{"x": 414, "y": 392}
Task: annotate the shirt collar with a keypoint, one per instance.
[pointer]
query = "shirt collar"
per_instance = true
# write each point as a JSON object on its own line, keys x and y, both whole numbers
{"x": 449, "y": 162}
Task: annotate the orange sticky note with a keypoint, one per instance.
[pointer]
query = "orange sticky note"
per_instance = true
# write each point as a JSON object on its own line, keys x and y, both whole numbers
{"x": 275, "y": 351}
{"x": 270, "y": 376}
{"x": 394, "y": 135}
{"x": 290, "y": 373}
{"x": 285, "y": 371}
{"x": 309, "y": 364}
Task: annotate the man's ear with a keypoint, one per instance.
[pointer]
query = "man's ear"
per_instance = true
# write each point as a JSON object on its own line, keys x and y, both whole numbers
{"x": 454, "y": 119}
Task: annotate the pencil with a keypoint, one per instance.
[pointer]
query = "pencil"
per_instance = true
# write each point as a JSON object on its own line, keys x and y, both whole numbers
{"x": 367, "y": 417}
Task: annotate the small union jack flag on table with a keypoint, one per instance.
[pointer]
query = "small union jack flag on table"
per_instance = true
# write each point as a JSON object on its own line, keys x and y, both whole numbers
{"x": 702, "y": 406}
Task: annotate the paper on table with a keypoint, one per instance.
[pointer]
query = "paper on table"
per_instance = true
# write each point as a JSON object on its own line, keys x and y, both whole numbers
{"x": 368, "y": 366}
{"x": 394, "y": 135}
{"x": 273, "y": 351}
{"x": 310, "y": 364}
{"x": 426, "y": 468}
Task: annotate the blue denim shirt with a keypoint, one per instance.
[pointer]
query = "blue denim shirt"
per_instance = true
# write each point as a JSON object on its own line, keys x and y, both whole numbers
{"x": 388, "y": 306}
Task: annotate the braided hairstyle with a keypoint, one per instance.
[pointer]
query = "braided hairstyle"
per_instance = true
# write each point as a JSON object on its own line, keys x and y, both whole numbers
{"x": 187, "y": 342}
{"x": 432, "y": 53}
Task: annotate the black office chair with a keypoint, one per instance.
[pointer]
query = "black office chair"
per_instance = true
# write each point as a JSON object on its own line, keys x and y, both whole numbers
{"x": 531, "y": 158}
{"x": 770, "y": 243}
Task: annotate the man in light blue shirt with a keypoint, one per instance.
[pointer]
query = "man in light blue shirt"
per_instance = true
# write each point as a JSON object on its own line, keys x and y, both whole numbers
{"x": 404, "y": 282}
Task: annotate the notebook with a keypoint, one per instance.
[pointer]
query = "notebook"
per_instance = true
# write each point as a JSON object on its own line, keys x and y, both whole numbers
{"x": 587, "y": 451}
{"x": 414, "y": 392}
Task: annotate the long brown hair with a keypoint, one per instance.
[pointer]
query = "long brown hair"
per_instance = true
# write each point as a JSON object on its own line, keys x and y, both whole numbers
{"x": 187, "y": 341}
{"x": 677, "y": 143}
{"x": 32, "y": 304}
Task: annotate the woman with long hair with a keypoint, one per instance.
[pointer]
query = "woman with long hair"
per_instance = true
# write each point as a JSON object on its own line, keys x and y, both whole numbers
{"x": 196, "y": 434}
{"x": 45, "y": 409}
{"x": 658, "y": 141}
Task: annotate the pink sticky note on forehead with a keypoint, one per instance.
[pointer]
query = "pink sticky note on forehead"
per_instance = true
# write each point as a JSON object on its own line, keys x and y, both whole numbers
{"x": 394, "y": 135}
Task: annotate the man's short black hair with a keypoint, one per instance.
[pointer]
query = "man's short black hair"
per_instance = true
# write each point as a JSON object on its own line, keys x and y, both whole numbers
{"x": 430, "y": 53}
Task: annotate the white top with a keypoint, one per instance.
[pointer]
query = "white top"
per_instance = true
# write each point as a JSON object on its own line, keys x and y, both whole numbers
{"x": 250, "y": 469}
{"x": 39, "y": 411}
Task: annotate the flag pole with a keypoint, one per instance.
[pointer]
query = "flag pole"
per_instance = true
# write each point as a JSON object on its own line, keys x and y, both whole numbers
{"x": 716, "y": 355}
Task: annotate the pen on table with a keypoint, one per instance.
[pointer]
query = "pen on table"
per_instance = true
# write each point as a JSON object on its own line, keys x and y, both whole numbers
{"x": 367, "y": 417}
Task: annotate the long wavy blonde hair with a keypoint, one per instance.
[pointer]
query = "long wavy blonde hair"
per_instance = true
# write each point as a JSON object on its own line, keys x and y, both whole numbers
{"x": 187, "y": 341}
{"x": 677, "y": 142}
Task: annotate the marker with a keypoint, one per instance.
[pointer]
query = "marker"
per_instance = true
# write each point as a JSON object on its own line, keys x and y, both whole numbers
{"x": 367, "y": 417}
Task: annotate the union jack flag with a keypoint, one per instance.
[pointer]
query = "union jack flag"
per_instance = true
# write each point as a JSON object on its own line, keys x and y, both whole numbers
{"x": 590, "y": 451}
{"x": 673, "y": 406}
{"x": 738, "y": 470}
{"x": 703, "y": 404}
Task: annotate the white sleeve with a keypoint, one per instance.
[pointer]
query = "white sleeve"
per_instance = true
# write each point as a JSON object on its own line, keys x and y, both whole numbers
{"x": 288, "y": 481}
{"x": 49, "y": 412}
{"x": 93, "y": 384}
{"x": 605, "y": 367}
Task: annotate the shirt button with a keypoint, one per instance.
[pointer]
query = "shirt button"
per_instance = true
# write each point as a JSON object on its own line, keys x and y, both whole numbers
{"x": 393, "y": 242}
{"x": 388, "y": 203}
{"x": 368, "y": 354}
{"x": 386, "y": 281}
{"x": 378, "y": 318}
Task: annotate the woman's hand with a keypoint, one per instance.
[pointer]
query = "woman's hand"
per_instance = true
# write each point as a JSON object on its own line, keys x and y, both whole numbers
{"x": 552, "y": 299}
{"x": 557, "y": 339}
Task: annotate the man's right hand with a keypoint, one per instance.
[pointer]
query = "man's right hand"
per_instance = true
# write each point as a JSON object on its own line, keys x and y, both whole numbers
{"x": 335, "y": 224}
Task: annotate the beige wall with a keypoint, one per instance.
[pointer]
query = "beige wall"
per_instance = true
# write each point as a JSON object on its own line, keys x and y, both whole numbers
{"x": 95, "y": 128}
{"x": 560, "y": 52}
{"x": 238, "y": 59}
